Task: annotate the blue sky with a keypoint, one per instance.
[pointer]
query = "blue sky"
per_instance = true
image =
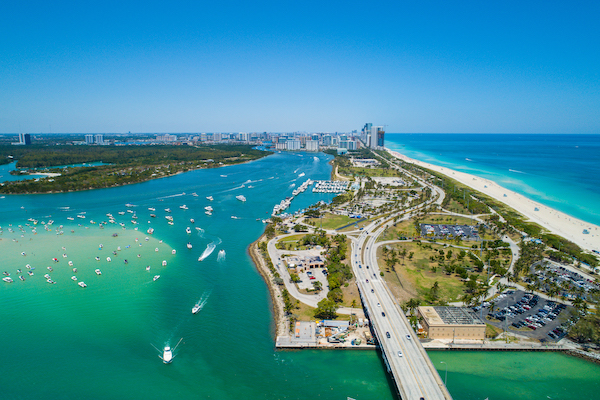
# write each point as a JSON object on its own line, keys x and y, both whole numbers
{"x": 430, "y": 66}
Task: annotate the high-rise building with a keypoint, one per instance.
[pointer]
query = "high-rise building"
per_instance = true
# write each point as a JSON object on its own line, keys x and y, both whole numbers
{"x": 376, "y": 133}
{"x": 312, "y": 145}
{"x": 99, "y": 139}
{"x": 216, "y": 137}
{"x": 326, "y": 140}
{"x": 351, "y": 145}
{"x": 24, "y": 138}
{"x": 89, "y": 139}
{"x": 293, "y": 144}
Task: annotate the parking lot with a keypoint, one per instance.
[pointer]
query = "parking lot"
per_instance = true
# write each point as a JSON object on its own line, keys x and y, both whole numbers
{"x": 564, "y": 276}
{"x": 439, "y": 231}
{"x": 528, "y": 315}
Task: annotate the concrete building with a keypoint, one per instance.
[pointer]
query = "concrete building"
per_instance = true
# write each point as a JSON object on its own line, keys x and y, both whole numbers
{"x": 352, "y": 145}
{"x": 376, "y": 133}
{"x": 99, "y": 139}
{"x": 293, "y": 145}
{"x": 451, "y": 323}
{"x": 166, "y": 138}
{"x": 89, "y": 139}
{"x": 216, "y": 137}
{"x": 327, "y": 140}
{"x": 312, "y": 145}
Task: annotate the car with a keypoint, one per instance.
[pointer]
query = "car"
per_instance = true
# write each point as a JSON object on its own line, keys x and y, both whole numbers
{"x": 387, "y": 334}
{"x": 382, "y": 314}
{"x": 408, "y": 337}
{"x": 399, "y": 354}
{"x": 367, "y": 267}
{"x": 378, "y": 305}
{"x": 367, "y": 281}
{"x": 372, "y": 291}
{"x": 311, "y": 277}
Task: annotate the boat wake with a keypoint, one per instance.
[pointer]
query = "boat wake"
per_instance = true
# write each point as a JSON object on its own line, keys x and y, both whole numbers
{"x": 518, "y": 172}
{"x": 235, "y": 188}
{"x": 173, "y": 195}
{"x": 209, "y": 249}
{"x": 292, "y": 185}
{"x": 202, "y": 302}
{"x": 200, "y": 232}
{"x": 221, "y": 256}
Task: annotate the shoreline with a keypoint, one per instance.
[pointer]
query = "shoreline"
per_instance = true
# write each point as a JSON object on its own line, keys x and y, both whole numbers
{"x": 50, "y": 175}
{"x": 551, "y": 220}
{"x": 281, "y": 323}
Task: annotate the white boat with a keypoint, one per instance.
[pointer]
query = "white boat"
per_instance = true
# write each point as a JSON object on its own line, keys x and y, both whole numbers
{"x": 71, "y": 218}
{"x": 210, "y": 198}
{"x": 195, "y": 194}
{"x": 209, "y": 208}
{"x": 168, "y": 210}
{"x": 164, "y": 263}
{"x": 188, "y": 230}
{"x": 121, "y": 213}
{"x": 7, "y": 279}
{"x": 184, "y": 207}
{"x": 192, "y": 220}
{"x": 82, "y": 284}
{"x": 70, "y": 263}
{"x": 173, "y": 251}
{"x": 207, "y": 212}
{"x": 74, "y": 278}
{"x": 156, "y": 277}
{"x": 189, "y": 245}
{"x": 151, "y": 209}
{"x": 98, "y": 272}
{"x": 148, "y": 268}
{"x": 240, "y": 197}
{"x": 196, "y": 309}
{"x": 234, "y": 217}
{"x": 150, "y": 231}
{"x": 167, "y": 355}
{"x": 108, "y": 259}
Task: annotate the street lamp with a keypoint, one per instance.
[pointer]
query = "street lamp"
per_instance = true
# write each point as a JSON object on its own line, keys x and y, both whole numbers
{"x": 446, "y": 375}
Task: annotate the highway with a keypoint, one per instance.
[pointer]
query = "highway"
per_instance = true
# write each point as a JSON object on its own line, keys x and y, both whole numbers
{"x": 408, "y": 363}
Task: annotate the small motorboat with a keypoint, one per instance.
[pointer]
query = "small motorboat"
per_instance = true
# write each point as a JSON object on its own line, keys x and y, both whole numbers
{"x": 98, "y": 272}
{"x": 7, "y": 279}
{"x": 167, "y": 355}
{"x": 210, "y": 198}
{"x": 50, "y": 269}
{"x": 108, "y": 259}
{"x": 196, "y": 309}
{"x": 156, "y": 277}
{"x": 173, "y": 251}
{"x": 74, "y": 278}
{"x": 164, "y": 263}
{"x": 97, "y": 258}
{"x": 75, "y": 270}
{"x": 21, "y": 277}
{"x": 188, "y": 230}
{"x": 192, "y": 220}
{"x": 148, "y": 268}
{"x": 70, "y": 263}
{"x": 82, "y": 284}
{"x": 189, "y": 245}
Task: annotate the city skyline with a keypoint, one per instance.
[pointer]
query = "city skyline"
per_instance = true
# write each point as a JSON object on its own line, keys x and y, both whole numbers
{"x": 311, "y": 67}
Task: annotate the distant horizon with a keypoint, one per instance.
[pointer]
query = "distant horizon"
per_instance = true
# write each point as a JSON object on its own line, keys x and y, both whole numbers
{"x": 453, "y": 67}
{"x": 299, "y": 132}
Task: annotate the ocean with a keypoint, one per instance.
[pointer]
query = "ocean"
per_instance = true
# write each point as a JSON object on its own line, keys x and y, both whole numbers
{"x": 61, "y": 341}
{"x": 559, "y": 171}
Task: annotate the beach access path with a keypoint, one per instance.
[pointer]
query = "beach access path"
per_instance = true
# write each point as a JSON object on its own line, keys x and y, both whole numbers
{"x": 550, "y": 219}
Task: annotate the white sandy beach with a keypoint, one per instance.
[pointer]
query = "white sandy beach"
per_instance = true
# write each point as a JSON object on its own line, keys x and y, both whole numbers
{"x": 552, "y": 220}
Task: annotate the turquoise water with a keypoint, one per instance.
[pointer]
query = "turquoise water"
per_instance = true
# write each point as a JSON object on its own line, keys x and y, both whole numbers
{"x": 6, "y": 176}
{"x": 64, "y": 342}
{"x": 474, "y": 375}
{"x": 560, "y": 171}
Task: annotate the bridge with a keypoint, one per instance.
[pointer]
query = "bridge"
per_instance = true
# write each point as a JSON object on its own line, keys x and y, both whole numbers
{"x": 406, "y": 360}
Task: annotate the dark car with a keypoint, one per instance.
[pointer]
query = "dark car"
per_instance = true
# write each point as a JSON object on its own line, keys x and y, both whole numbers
{"x": 388, "y": 335}
{"x": 382, "y": 314}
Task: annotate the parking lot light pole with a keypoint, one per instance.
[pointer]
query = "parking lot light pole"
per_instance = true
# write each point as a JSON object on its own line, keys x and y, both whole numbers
{"x": 446, "y": 375}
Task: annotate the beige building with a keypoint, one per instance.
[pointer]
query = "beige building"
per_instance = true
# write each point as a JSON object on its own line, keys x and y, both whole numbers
{"x": 451, "y": 323}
